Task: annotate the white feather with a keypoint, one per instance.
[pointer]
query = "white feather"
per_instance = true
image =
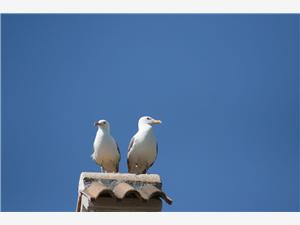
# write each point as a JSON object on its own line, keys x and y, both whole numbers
{"x": 106, "y": 152}
{"x": 143, "y": 151}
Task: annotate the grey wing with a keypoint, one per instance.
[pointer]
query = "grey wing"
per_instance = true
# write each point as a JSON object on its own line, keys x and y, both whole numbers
{"x": 92, "y": 155}
{"x": 117, "y": 166}
{"x": 118, "y": 148}
{"x": 130, "y": 143}
{"x": 155, "y": 156}
{"x": 93, "y": 151}
{"x": 129, "y": 147}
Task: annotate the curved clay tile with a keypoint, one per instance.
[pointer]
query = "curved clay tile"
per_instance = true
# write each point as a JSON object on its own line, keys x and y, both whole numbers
{"x": 149, "y": 191}
{"x": 122, "y": 190}
{"x": 97, "y": 189}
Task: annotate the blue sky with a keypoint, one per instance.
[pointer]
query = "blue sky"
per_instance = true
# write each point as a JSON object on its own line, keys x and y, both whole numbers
{"x": 225, "y": 86}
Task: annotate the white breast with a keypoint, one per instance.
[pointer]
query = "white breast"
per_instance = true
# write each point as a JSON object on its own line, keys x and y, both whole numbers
{"x": 144, "y": 148}
{"x": 105, "y": 149}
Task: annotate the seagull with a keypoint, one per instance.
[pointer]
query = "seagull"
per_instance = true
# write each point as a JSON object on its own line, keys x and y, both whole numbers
{"x": 106, "y": 151}
{"x": 143, "y": 148}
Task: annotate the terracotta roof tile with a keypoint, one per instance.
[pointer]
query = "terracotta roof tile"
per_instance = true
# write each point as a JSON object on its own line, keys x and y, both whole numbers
{"x": 122, "y": 190}
{"x": 97, "y": 189}
{"x": 149, "y": 191}
{"x": 121, "y": 186}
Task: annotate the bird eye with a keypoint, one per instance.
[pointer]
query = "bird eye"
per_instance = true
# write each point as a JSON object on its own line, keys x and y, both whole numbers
{"x": 104, "y": 122}
{"x": 148, "y": 118}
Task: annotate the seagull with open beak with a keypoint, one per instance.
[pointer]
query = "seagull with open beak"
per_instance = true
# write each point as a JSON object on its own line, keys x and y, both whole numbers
{"x": 106, "y": 151}
{"x": 143, "y": 148}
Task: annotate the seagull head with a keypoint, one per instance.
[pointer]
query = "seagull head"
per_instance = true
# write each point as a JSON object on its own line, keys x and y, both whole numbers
{"x": 147, "y": 121}
{"x": 102, "y": 124}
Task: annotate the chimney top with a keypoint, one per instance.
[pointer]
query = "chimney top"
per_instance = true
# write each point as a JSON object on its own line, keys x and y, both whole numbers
{"x": 120, "y": 192}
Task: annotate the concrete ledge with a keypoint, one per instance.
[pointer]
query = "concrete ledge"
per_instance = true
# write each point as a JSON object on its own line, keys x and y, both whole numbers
{"x": 86, "y": 177}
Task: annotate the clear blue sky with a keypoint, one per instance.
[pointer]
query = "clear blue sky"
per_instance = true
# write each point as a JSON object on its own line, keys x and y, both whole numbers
{"x": 225, "y": 86}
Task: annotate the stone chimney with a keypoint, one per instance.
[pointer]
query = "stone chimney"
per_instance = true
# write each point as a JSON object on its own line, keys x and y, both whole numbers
{"x": 117, "y": 192}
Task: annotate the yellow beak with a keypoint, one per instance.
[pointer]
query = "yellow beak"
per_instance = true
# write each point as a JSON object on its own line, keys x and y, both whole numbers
{"x": 156, "y": 122}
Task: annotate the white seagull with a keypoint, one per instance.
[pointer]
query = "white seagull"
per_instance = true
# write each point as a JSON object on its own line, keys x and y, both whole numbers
{"x": 106, "y": 151}
{"x": 142, "y": 150}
